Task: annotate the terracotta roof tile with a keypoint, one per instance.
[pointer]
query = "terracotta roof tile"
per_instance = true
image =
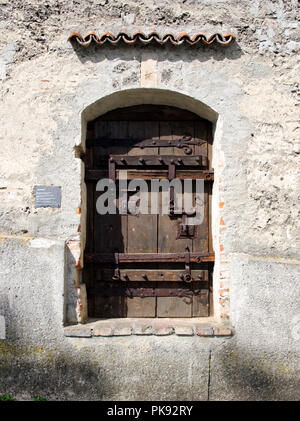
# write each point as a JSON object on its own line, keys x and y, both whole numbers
{"x": 181, "y": 38}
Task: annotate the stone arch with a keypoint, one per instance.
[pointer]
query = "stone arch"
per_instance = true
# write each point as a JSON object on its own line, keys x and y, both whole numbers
{"x": 140, "y": 96}
{"x": 154, "y": 96}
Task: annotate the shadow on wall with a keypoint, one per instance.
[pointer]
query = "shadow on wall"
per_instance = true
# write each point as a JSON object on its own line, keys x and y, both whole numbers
{"x": 187, "y": 53}
{"x": 71, "y": 291}
{"x": 57, "y": 375}
{"x": 26, "y": 372}
{"x": 253, "y": 374}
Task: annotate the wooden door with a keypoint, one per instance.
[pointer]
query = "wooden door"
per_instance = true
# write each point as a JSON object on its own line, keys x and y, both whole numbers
{"x": 147, "y": 265}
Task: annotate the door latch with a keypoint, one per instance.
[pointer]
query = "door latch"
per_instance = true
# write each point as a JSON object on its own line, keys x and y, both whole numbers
{"x": 184, "y": 229}
{"x": 116, "y": 275}
{"x": 187, "y": 275}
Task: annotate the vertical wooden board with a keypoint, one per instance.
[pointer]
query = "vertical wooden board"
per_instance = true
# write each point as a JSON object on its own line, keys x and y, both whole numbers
{"x": 201, "y": 134}
{"x": 200, "y": 243}
{"x": 181, "y": 129}
{"x": 89, "y": 280}
{"x": 201, "y": 304}
{"x": 90, "y": 190}
{"x": 109, "y": 130}
{"x": 173, "y": 306}
{"x": 117, "y": 130}
{"x": 142, "y": 233}
{"x": 111, "y": 307}
{"x": 110, "y": 231}
{"x": 167, "y": 232}
{"x": 168, "y": 227}
{"x": 102, "y": 129}
{"x": 141, "y": 130}
{"x": 209, "y": 144}
{"x": 210, "y": 239}
{"x": 165, "y": 133}
{"x": 142, "y": 238}
{"x": 211, "y": 301}
{"x": 88, "y": 160}
{"x": 141, "y": 307}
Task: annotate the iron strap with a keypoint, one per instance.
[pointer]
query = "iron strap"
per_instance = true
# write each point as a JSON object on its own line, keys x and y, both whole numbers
{"x": 147, "y": 257}
{"x": 145, "y": 291}
{"x": 184, "y": 143}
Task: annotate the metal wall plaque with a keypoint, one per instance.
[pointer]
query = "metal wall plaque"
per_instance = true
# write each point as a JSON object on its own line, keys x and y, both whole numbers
{"x": 47, "y": 196}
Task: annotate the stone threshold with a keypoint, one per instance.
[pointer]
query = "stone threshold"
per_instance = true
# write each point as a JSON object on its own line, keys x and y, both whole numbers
{"x": 147, "y": 326}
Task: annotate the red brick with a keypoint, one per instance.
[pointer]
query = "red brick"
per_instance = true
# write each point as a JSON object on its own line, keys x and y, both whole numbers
{"x": 103, "y": 331}
{"x": 204, "y": 330}
{"x": 184, "y": 331}
{"x": 223, "y": 331}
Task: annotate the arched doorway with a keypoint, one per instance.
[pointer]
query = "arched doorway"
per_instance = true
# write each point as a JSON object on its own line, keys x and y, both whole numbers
{"x": 148, "y": 265}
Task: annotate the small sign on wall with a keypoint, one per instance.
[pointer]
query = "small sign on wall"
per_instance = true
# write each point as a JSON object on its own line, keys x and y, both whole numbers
{"x": 47, "y": 196}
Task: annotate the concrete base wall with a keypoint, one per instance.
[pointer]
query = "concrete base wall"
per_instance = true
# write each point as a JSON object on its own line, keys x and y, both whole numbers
{"x": 260, "y": 362}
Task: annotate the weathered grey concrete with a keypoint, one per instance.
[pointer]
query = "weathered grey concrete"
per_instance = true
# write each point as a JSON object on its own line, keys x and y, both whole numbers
{"x": 49, "y": 90}
{"x": 32, "y": 289}
{"x": 261, "y": 362}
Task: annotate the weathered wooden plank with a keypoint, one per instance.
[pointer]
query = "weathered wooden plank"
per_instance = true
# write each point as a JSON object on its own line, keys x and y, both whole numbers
{"x": 110, "y": 231}
{"x": 200, "y": 242}
{"x": 111, "y": 307}
{"x": 201, "y": 304}
{"x": 141, "y": 307}
{"x": 89, "y": 155}
{"x": 165, "y": 132}
{"x": 174, "y": 306}
{"x": 182, "y": 129}
{"x": 210, "y": 239}
{"x": 90, "y": 189}
{"x": 167, "y": 235}
{"x": 89, "y": 280}
{"x": 201, "y": 133}
{"x": 142, "y": 232}
{"x": 167, "y": 240}
{"x": 143, "y": 130}
{"x": 209, "y": 144}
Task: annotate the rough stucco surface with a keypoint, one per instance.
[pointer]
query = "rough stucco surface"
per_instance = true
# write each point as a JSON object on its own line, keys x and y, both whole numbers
{"x": 49, "y": 88}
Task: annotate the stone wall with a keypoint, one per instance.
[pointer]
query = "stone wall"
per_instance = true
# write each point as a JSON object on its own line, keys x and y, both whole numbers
{"x": 49, "y": 90}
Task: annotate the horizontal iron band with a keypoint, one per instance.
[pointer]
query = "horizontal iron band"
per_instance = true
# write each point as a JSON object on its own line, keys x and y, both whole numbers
{"x": 146, "y": 292}
{"x": 148, "y": 257}
{"x": 145, "y": 143}
{"x": 96, "y": 174}
{"x": 154, "y": 160}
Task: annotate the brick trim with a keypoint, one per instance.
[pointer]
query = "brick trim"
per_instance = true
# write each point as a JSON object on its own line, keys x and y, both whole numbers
{"x": 157, "y": 327}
